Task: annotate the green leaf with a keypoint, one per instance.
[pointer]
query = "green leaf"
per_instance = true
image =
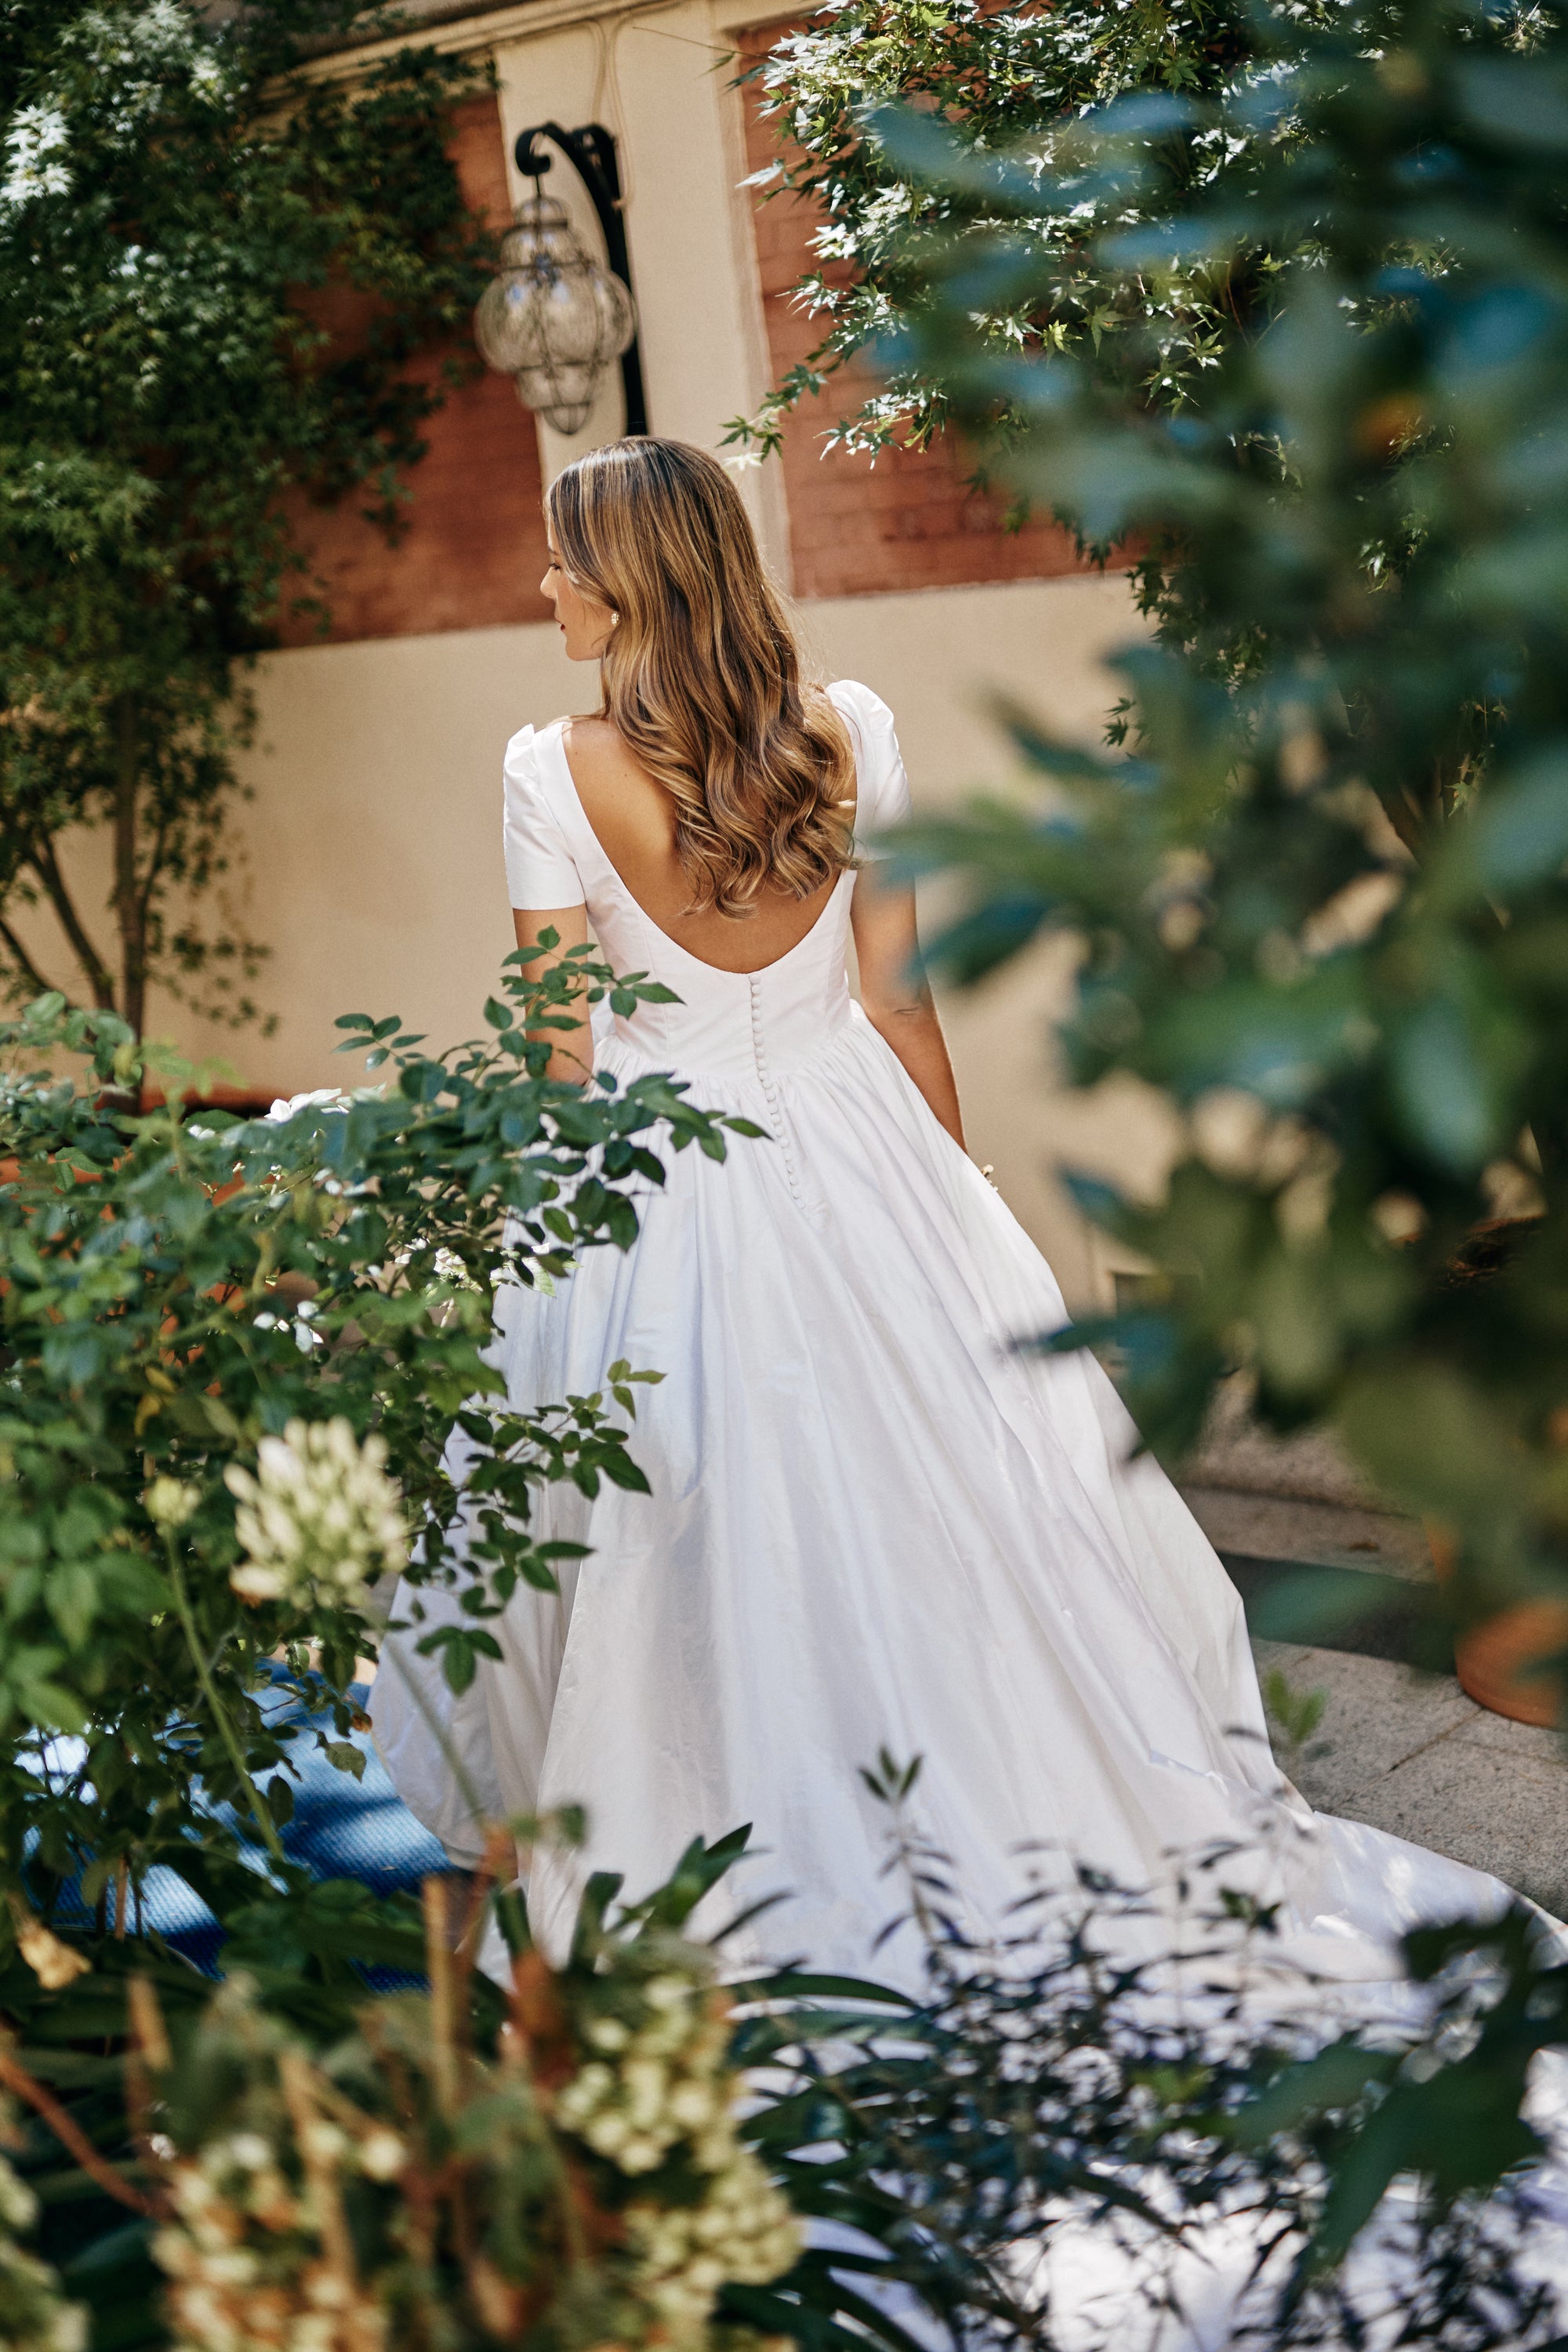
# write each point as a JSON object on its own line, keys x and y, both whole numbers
{"x": 71, "y": 1592}
{"x": 1515, "y": 838}
{"x": 1451, "y": 1069}
{"x": 49, "y": 1704}
{"x": 622, "y": 1471}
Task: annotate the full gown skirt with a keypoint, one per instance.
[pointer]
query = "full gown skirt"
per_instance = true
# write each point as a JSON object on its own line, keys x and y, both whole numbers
{"x": 875, "y": 1525}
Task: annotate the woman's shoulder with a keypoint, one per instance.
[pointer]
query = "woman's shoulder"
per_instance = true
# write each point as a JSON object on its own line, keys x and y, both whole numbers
{"x": 529, "y": 769}
{"x": 574, "y": 730}
{"x": 524, "y": 746}
{"x": 853, "y": 700}
{"x": 540, "y": 862}
{"x": 882, "y": 791}
{"x": 586, "y": 733}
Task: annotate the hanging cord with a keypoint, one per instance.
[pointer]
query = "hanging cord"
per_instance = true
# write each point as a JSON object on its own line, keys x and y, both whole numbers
{"x": 609, "y": 106}
{"x": 608, "y": 103}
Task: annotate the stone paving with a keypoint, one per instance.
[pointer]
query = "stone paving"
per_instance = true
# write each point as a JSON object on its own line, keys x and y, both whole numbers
{"x": 1403, "y": 1750}
{"x": 1410, "y": 1753}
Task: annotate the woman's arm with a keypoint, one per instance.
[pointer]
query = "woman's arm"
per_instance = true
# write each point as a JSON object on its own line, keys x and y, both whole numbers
{"x": 894, "y": 994}
{"x": 572, "y": 1052}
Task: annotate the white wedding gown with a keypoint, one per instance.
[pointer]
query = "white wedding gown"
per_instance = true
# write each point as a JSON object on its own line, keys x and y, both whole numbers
{"x": 873, "y": 1526}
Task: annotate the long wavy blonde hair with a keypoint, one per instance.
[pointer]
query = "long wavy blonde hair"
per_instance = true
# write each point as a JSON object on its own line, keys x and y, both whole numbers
{"x": 701, "y": 674}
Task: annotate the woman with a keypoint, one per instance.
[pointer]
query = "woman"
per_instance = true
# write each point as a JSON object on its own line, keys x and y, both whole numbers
{"x": 873, "y": 1528}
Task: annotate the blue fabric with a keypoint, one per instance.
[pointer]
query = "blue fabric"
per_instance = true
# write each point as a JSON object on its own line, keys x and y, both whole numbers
{"x": 342, "y": 1827}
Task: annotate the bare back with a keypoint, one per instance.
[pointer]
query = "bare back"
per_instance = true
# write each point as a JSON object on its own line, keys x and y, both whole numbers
{"x": 633, "y": 818}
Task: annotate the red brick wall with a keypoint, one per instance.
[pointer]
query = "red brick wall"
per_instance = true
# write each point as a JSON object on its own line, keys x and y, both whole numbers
{"x": 473, "y": 550}
{"x": 908, "y": 522}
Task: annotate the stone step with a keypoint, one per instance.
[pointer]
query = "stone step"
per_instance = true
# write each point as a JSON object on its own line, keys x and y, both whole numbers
{"x": 1294, "y": 1527}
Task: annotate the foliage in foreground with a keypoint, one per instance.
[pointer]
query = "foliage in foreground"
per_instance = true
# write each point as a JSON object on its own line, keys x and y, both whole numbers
{"x": 1002, "y": 82}
{"x": 457, "y": 2165}
{"x": 183, "y": 1299}
{"x": 181, "y": 221}
{"x": 1322, "y": 905}
{"x": 1131, "y": 2088}
{"x": 615, "y": 2150}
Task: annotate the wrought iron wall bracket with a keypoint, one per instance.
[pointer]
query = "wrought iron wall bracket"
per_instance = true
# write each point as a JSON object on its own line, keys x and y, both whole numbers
{"x": 591, "y": 152}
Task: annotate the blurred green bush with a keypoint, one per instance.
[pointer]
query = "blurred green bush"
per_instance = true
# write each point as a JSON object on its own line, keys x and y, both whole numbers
{"x": 214, "y": 272}
{"x": 1320, "y": 891}
{"x": 181, "y": 1298}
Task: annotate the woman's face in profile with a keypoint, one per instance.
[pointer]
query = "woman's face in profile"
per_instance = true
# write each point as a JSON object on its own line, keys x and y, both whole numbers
{"x": 584, "y": 622}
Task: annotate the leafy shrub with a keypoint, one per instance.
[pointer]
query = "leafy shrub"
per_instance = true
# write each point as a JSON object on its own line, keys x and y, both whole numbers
{"x": 179, "y": 1295}
{"x": 311, "y": 2166}
{"x": 1136, "y": 2085}
{"x": 1009, "y": 84}
{"x": 407, "y": 2187}
{"x": 184, "y": 208}
{"x": 1132, "y": 2073}
{"x": 1322, "y": 900}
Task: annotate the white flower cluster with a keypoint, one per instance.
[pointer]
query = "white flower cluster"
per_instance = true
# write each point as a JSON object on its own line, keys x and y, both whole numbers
{"x": 137, "y": 52}
{"x": 208, "y": 79}
{"x": 256, "y": 2246}
{"x": 169, "y": 1502}
{"x": 447, "y": 1266}
{"x": 662, "y": 2089}
{"x": 34, "y": 166}
{"x": 285, "y": 1106}
{"x": 255, "y": 2243}
{"x": 305, "y": 1337}
{"x": 147, "y": 45}
{"x": 658, "y": 2083}
{"x": 241, "y": 2280}
{"x": 33, "y": 2317}
{"x": 320, "y": 1519}
{"x": 742, "y": 2230}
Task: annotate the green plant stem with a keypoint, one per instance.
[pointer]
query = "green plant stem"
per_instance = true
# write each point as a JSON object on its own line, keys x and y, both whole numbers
{"x": 511, "y": 1912}
{"x": 226, "y": 1731}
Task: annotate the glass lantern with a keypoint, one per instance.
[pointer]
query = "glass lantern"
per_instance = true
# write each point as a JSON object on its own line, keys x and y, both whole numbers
{"x": 553, "y": 319}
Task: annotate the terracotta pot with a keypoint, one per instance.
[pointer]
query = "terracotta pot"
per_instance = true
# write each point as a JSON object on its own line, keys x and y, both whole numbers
{"x": 1494, "y": 1660}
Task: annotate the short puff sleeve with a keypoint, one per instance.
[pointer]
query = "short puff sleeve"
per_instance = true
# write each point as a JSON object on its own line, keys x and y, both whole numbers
{"x": 881, "y": 787}
{"x": 540, "y": 868}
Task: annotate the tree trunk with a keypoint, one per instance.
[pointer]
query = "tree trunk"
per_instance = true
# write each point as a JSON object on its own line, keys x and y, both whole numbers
{"x": 45, "y": 864}
{"x": 128, "y": 900}
{"x": 21, "y": 960}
